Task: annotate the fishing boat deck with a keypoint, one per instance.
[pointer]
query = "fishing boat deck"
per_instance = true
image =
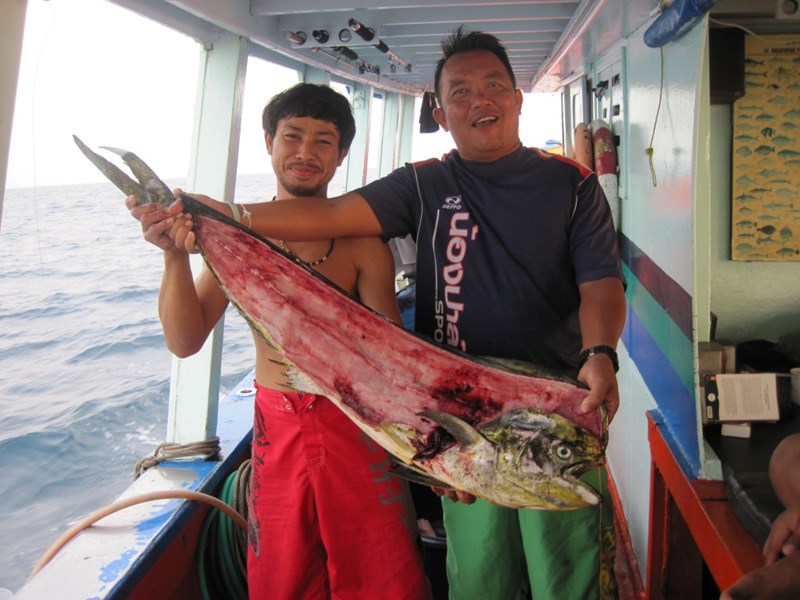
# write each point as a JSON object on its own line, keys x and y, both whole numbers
{"x": 120, "y": 555}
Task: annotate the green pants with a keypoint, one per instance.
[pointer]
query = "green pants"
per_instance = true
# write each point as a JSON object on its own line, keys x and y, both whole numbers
{"x": 493, "y": 553}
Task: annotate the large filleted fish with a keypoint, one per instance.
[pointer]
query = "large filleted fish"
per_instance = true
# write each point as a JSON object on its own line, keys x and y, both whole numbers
{"x": 505, "y": 431}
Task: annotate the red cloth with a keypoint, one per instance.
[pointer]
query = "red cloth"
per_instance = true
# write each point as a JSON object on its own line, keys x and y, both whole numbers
{"x": 326, "y": 519}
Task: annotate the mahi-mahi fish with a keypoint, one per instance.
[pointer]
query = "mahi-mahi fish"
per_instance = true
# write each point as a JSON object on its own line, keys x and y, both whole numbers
{"x": 505, "y": 431}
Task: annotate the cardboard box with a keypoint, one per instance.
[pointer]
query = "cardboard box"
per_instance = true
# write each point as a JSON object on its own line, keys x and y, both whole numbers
{"x": 714, "y": 357}
{"x": 730, "y": 358}
{"x": 710, "y": 358}
{"x": 737, "y": 397}
{"x": 737, "y": 430}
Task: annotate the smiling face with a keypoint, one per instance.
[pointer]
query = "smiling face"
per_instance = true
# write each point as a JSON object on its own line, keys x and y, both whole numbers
{"x": 480, "y": 106}
{"x": 305, "y": 155}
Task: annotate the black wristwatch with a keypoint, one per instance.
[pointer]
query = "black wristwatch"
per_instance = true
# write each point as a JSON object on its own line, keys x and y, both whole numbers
{"x": 602, "y": 349}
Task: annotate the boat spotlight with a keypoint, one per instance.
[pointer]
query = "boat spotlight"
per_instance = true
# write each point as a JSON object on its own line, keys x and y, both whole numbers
{"x": 296, "y": 37}
{"x": 365, "y": 33}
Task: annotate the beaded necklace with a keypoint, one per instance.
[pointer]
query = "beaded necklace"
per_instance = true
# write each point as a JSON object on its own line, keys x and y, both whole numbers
{"x": 308, "y": 263}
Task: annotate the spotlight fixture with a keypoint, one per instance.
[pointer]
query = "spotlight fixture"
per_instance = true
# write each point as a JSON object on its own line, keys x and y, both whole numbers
{"x": 365, "y": 33}
{"x": 365, "y": 67}
{"x": 296, "y": 37}
{"x": 345, "y": 35}
{"x": 368, "y": 34}
{"x": 320, "y": 35}
{"x": 346, "y": 52}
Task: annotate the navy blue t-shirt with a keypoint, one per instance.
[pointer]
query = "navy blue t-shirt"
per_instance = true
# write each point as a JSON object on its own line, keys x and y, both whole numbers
{"x": 501, "y": 247}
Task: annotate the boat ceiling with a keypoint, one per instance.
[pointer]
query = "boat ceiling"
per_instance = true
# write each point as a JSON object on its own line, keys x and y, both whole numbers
{"x": 549, "y": 42}
{"x": 540, "y": 35}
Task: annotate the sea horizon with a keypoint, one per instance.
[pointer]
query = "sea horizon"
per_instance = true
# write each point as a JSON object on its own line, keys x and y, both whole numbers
{"x": 84, "y": 387}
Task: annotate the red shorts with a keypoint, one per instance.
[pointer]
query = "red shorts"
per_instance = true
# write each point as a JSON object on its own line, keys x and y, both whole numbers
{"x": 326, "y": 519}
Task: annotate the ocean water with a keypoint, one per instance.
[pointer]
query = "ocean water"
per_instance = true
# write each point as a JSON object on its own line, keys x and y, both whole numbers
{"x": 84, "y": 372}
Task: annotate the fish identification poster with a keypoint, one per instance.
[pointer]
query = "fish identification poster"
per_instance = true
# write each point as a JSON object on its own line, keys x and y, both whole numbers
{"x": 765, "y": 211}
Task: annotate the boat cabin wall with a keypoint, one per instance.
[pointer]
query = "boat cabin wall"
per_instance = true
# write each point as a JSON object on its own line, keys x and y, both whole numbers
{"x": 675, "y": 160}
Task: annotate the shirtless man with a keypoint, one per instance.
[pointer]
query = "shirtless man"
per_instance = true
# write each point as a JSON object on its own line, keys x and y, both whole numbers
{"x": 326, "y": 520}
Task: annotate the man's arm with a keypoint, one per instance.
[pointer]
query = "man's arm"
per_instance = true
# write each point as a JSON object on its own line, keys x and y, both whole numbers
{"x": 777, "y": 581}
{"x": 188, "y": 309}
{"x": 780, "y": 575}
{"x": 301, "y": 220}
{"x": 602, "y": 317}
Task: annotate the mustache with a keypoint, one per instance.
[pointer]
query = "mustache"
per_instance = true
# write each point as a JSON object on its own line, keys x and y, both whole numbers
{"x": 303, "y": 164}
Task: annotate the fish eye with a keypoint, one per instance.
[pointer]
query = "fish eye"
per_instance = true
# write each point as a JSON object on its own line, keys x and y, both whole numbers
{"x": 563, "y": 452}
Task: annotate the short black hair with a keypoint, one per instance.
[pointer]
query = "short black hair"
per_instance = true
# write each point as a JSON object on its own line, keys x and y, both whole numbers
{"x": 462, "y": 40}
{"x": 315, "y": 101}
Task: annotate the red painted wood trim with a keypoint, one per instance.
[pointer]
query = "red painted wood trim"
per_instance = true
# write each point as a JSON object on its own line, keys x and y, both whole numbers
{"x": 658, "y": 534}
{"x": 727, "y": 547}
{"x": 626, "y": 569}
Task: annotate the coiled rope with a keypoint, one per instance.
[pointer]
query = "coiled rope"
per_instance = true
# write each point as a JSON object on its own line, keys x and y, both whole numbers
{"x": 207, "y": 450}
{"x": 222, "y": 548}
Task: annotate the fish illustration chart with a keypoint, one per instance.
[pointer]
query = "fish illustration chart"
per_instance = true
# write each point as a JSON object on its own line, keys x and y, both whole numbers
{"x": 765, "y": 206}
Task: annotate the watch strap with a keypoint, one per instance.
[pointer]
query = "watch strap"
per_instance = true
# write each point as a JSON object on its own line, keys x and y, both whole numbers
{"x": 588, "y": 353}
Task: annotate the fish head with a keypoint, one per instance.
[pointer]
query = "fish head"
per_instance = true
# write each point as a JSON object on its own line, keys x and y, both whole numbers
{"x": 540, "y": 457}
